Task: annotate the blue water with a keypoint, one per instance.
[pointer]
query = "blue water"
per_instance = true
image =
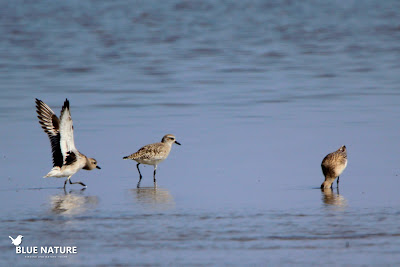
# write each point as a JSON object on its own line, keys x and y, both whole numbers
{"x": 257, "y": 92}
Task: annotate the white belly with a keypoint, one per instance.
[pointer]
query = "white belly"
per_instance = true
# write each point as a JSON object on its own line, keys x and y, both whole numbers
{"x": 150, "y": 161}
{"x": 66, "y": 170}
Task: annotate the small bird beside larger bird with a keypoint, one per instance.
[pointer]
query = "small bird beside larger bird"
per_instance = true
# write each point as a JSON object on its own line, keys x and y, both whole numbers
{"x": 153, "y": 154}
{"x": 333, "y": 165}
{"x": 67, "y": 160}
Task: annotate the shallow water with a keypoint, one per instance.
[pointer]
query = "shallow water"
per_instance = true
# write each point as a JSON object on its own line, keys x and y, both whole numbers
{"x": 257, "y": 93}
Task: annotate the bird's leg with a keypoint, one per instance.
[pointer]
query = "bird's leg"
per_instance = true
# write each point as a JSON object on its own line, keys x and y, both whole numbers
{"x": 140, "y": 175}
{"x": 337, "y": 183}
{"x": 154, "y": 175}
{"x": 65, "y": 183}
{"x": 76, "y": 182}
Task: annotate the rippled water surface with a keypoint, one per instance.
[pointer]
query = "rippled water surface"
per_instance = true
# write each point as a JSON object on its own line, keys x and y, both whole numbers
{"x": 257, "y": 92}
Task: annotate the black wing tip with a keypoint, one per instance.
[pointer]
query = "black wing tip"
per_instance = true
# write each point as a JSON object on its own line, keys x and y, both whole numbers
{"x": 66, "y": 105}
{"x": 38, "y": 103}
{"x": 41, "y": 108}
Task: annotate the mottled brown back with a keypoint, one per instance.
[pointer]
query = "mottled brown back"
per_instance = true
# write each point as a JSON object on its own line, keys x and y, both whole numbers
{"x": 334, "y": 162}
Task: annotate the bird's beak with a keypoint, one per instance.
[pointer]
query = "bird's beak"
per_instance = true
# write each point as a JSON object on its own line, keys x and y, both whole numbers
{"x": 176, "y": 142}
{"x": 98, "y": 167}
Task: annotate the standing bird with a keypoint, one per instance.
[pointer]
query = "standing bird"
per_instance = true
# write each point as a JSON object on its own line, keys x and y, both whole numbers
{"x": 153, "y": 154}
{"x": 67, "y": 160}
{"x": 333, "y": 165}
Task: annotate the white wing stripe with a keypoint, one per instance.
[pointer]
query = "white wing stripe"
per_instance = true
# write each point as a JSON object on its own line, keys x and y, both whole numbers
{"x": 67, "y": 132}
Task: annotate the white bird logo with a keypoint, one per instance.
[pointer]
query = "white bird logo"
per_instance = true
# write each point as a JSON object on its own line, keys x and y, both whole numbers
{"x": 17, "y": 241}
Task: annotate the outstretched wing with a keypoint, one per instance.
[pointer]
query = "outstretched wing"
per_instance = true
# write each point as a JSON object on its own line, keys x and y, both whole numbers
{"x": 51, "y": 126}
{"x": 12, "y": 239}
{"x": 66, "y": 132}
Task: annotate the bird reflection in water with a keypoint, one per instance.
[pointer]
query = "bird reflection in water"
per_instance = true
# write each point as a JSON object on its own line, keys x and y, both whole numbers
{"x": 72, "y": 203}
{"x": 331, "y": 198}
{"x": 153, "y": 197}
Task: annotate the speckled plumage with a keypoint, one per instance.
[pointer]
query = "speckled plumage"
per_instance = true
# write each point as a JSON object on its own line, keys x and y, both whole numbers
{"x": 333, "y": 165}
{"x": 153, "y": 154}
